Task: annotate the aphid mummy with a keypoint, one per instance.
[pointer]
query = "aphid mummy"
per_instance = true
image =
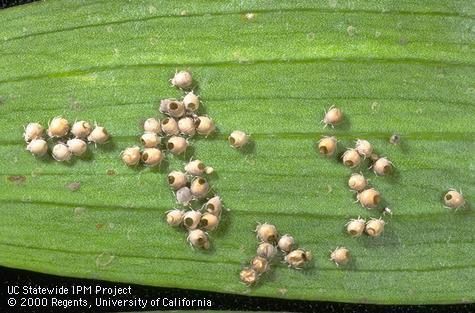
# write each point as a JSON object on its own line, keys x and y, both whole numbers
{"x": 298, "y": 258}
{"x": 214, "y": 206}
{"x": 99, "y": 135}
{"x": 364, "y": 147}
{"x": 259, "y": 264}
{"x": 238, "y": 138}
{"x": 355, "y": 227}
{"x": 175, "y": 217}
{"x": 184, "y": 196}
{"x": 38, "y": 147}
{"x": 382, "y": 167}
{"x": 351, "y": 158}
{"x": 182, "y": 80}
{"x": 177, "y": 180}
{"x": 164, "y": 105}
{"x": 333, "y": 117}
{"x": 387, "y": 210}
{"x": 177, "y": 145}
{"x": 58, "y": 127}
{"x": 77, "y": 146}
{"x": 341, "y": 256}
{"x": 204, "y": 125}
{"x": 169, "y": 126}
{"x": 152, "y": 156}
{"x": 327, "y": 145}
{"x": 209, "y": 170}
{"x": 286, "y": 243}
{"x": 176, "y": 109}
{"x": 454, "y": 199}
{"x": 375, "y": 227}
{"x": 195, "y": 167}
{"x": 81, "y": 129}
{"x": 191, "y": 102}
{"x": 248, "y": 276}
{"x": 186, "y": 125}
{"x": 151, "y": 125}
{"x": 357, "y": 182}
{"x": 33, "y": 131}
{"x": 131, "y": 156}
{"x": 267, "y": 233}
{"x": 61, "y": 152}
{"x": 369, "y": 198}
{"x": 198, "y": 239}
{"x": 266, "y": 250}
{"x": 150, "y": 140}
{"x": 209, "y": 221}
{"x": 191, "y": 219}
{"x": 395, "y": 139}
{"x": 199, "y": 187}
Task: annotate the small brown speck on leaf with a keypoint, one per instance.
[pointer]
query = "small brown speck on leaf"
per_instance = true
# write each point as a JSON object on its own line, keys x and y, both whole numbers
{"x": 111, "y": 172}
{"x": 74, "y": 186}
{"x": 17, "y": 179}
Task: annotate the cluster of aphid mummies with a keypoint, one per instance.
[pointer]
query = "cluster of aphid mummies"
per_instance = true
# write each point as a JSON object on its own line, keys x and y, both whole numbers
{"x": 267, "y": 250}
{"x": 367, "y": 196}
{"x": 191, "y": 187}
{"x": 69, "y": 141}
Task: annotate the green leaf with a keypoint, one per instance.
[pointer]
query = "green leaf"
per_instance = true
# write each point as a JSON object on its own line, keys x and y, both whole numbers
{"x": 404, "y": 67}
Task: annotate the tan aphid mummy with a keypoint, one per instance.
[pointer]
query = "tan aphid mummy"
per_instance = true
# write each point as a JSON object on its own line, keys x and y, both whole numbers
{"x": 186, "y": 125}
{"x": 351, "y": 158}
{"x": 177, "y": 145}
{"x": 131, "y": 156}
{"x": 33, "y": 131}
{"x": 152, "y": 156}
{"x": 355, "y": 227}
{"x": 182, "y": 79}
{"x": 191, "y": 102}
{"x": 199, "y": 187}
{"x": 177, "y": 180}
{"x": 209, "y": 170}
{"x": 61, "y": 152}
{"x": 267, "y": 233}
{"x": 214, "y": 206}
{"x": 38, "y": 147}
{"x": 81, "y": 129}
{"x": 191, "y": 219}
{"x": 266, "y": 250}
{"x": 184, "y": 196}
{"x": 77, "y": 146}
{"x": 374, "y": 227}
{"x": 195, "y": 167}
{"x": 99, "y": 135}
{"x": 58, "y": 127}
{"x": 204, "y": 125}
{"x": 395, "y": 139}
{"x": 175, "y": 217}
{"x": 298, "y": 258}
{"x": 357, "y": 182}
{"x": 286, "y": 243}
{"x": 248, "y": 276}
{"x": 150, "y": 140}
{"x": 454, "y": 199}
{"x": 369, "y": 198}
{"x": 364, "y": 147}
{"x": 382, "y": 166}
{"x": 327, "y": 145}
{"x": 333, "y": 117}
{"x": 198, "y": 239}
{"x": 169, "y": 126}
{"x": 176, "y": 109}
{"x": 341, "y": 256}
{"x": 238, "y": 138}
{"x": 209, "y": 221}
{"x": 259, "y": 264}
{"x": 151, "y": 125}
